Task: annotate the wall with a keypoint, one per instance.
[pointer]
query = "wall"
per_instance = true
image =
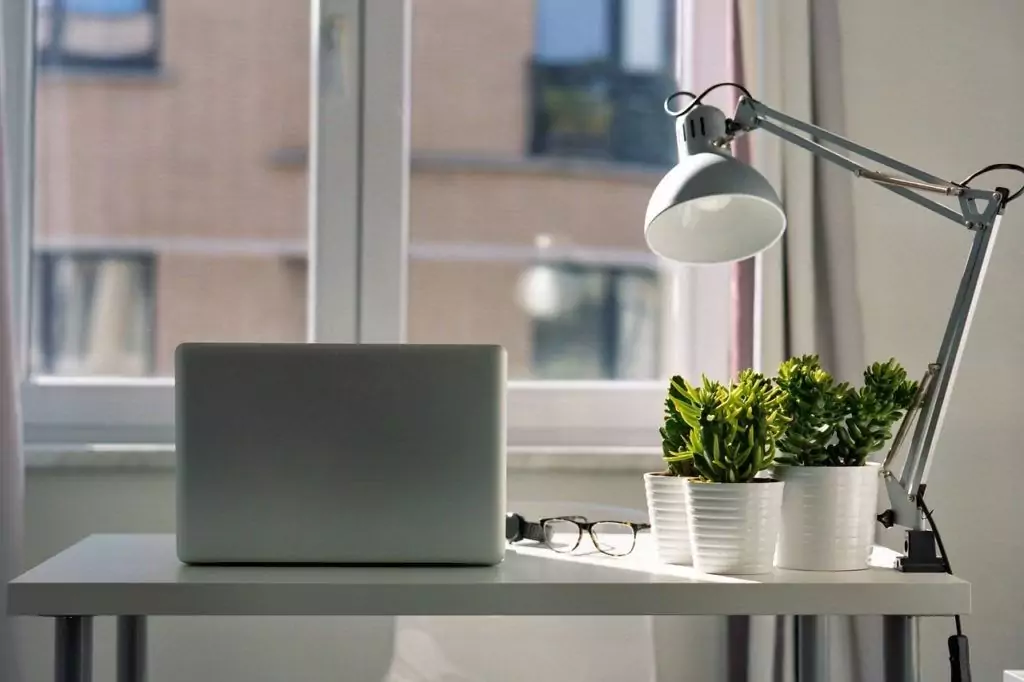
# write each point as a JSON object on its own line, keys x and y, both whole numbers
{"x": 939, "y": 86}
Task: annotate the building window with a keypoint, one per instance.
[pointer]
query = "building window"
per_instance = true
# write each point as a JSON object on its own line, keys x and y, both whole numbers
{"x": 93, "y": 314}
{"x": 118, "y": 35}
{"x": 593, "y": 322}
{"x": 599, "y": 74}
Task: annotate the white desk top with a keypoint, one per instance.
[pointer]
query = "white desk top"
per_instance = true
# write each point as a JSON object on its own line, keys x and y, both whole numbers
{"x": 140, "y": 574}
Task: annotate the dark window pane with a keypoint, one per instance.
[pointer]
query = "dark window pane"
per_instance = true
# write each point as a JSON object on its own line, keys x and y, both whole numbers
{"x": 93, "y": 315}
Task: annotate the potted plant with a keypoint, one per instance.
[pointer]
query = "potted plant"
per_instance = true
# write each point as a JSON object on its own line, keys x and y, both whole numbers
{"x": 730, "y": 437}
{"x": 666, "y": 490}
{"x": 828, "y": 510}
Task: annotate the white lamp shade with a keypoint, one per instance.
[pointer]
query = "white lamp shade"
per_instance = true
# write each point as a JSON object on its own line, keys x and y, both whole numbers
{"x": 712, "y": 208}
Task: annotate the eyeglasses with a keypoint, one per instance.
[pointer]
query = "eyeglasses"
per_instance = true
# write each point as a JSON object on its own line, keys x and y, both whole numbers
{"x": 565, "y": 533}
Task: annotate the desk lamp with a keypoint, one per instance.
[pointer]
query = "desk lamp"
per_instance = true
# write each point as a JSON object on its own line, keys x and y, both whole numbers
{"x": 712, "y": 208}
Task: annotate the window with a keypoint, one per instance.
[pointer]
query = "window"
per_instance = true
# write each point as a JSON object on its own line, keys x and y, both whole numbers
{"x": 593, "y": 322}
{"x": 98, "y": 34}
{"x": 599, "y": 72}
{"x": 93, "y": 315}
{"x": 162, "y": 211}
{"x": 228, "y": 204}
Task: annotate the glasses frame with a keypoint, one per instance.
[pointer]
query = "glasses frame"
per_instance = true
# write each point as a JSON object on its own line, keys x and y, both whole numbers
{"x": 582, "y": 524}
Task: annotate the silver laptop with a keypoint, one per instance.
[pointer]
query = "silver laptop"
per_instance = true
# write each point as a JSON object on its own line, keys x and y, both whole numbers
{"x": 317, "y": 453}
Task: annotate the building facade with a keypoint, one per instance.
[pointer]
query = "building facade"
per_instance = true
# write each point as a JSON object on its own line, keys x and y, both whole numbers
{"x": 172, "y": 180}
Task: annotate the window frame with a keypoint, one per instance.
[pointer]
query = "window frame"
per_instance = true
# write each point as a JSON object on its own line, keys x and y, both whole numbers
{"x": 56, "y": 58}
{"x": 358, "y": 254}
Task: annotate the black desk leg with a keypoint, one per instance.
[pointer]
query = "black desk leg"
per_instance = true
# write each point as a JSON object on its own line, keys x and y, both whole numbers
{"x": 73, "y": 649}
{"x": 131, "y": 649}
{"x": 900, "y": 647}
{"x": 812, "y": 649}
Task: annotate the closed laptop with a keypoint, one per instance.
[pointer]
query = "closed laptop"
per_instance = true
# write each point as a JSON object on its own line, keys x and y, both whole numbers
{"x": 322, "y": 453}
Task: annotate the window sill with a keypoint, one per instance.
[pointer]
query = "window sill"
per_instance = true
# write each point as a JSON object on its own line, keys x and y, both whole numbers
{"x": 296, "y": 157}
{"x": 100, "y": 74}
{"x": 162, "y": 458}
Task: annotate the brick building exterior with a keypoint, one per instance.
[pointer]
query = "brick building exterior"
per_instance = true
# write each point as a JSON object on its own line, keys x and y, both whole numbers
{"x": 182, "y": 186}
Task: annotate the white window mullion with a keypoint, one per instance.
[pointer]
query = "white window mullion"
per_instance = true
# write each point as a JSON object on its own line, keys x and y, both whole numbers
{"x": 385, "y": 172}
{"x": 335, "y": 152}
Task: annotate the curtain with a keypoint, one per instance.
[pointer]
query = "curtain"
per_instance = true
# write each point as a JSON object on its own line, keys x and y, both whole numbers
{"x": 789, "y": 55}
{"x": 11, "y": 470}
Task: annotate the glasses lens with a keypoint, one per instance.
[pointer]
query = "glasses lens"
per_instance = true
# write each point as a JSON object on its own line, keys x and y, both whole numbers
{"x": 614, "y": 538}
{"x": 561, "y": 535}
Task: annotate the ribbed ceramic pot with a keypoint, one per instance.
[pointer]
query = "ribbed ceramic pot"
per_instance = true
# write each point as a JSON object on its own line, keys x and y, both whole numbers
{"x": 828, "y": 517}
{"x": 666, "y": 507}
{"x": 734, "y": 526}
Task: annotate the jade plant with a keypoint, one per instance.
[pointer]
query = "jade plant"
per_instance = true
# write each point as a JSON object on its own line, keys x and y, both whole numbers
{"x": 815, "y": 405}
{"x": 871, "y": 413}
{"x": 833, "y": 424}
{"x": 675, "y": 433}
{"x": 722, "y": 434}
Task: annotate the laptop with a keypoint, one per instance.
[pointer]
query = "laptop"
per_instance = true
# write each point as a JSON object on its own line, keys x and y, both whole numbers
{"x": 340, "y": 454}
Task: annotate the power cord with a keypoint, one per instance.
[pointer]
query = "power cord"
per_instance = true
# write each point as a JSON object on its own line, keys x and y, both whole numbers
{"x": 697, "y": 99}
{"x": 994, "y": 167}
{"x": 959, "y": 647}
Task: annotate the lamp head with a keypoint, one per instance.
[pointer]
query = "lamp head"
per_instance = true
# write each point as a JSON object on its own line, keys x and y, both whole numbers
{"x": 711, "y": 208}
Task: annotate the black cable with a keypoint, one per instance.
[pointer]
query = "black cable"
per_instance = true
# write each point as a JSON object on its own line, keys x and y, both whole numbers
{"x": 678, "y": 93}
{"x": 698, "y": 98}
{"x": 995, "y": 167}
{"x": 942, "y": 547}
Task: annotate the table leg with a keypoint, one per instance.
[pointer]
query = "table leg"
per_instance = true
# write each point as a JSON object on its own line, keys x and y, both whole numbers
{"x": 812, "y": 649}
{"x": 131, "y": 649}
{"x": 72, "y": 649}
{"x": 900, "y": 647}
{"x": 737, "y": 648}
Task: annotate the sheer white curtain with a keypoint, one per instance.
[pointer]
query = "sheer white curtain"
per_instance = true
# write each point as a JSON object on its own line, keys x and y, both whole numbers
{"x": 807, "y": 302}
{"x": 11, "y": 469}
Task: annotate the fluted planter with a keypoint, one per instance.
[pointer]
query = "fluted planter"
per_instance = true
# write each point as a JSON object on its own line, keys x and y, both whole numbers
{"x": 828, "y": 516}
{"x": 666, "y": 507}
{"x": 734, "y": 526}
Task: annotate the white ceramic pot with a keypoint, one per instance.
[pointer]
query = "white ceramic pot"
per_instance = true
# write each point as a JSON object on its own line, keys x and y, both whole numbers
{"x": 734, "y": 526}
{"x": 828, "y": 517}
{"x": 666, "y": 506}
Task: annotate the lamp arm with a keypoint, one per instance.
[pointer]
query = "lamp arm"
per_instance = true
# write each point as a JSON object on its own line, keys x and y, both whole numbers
{"x": 751, "y": 114}
{"x": 904, "y": 491}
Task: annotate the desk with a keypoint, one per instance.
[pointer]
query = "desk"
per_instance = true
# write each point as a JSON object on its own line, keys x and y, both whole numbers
{"x": 135, "y": 576}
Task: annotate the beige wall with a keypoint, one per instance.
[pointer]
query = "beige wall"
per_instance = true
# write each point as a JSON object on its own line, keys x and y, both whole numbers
{"x": 187, "y": 153}
{"x": 514, "y": 207}
{"x": 205, "y": 298}
{"x": 469, "y": 77}
{"x": 951, "y": 121}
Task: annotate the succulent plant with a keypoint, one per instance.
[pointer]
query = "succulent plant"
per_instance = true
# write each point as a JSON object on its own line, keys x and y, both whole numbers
{"x": 675, "y": 433}
{"x": 725, "y": 434}
{"x": 871, "y": 413}
{"x": 814, "y": 405}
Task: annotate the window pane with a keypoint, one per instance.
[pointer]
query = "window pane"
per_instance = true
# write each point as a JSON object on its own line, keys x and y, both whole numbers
{"x": 104, "y": 6}
{"x": 572, "y": 30}
{"x": 93, "y": 315}
{"x": 171, "y": 204}
{"x": 537, "y": 138}
{"x": 645, "y": 31}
